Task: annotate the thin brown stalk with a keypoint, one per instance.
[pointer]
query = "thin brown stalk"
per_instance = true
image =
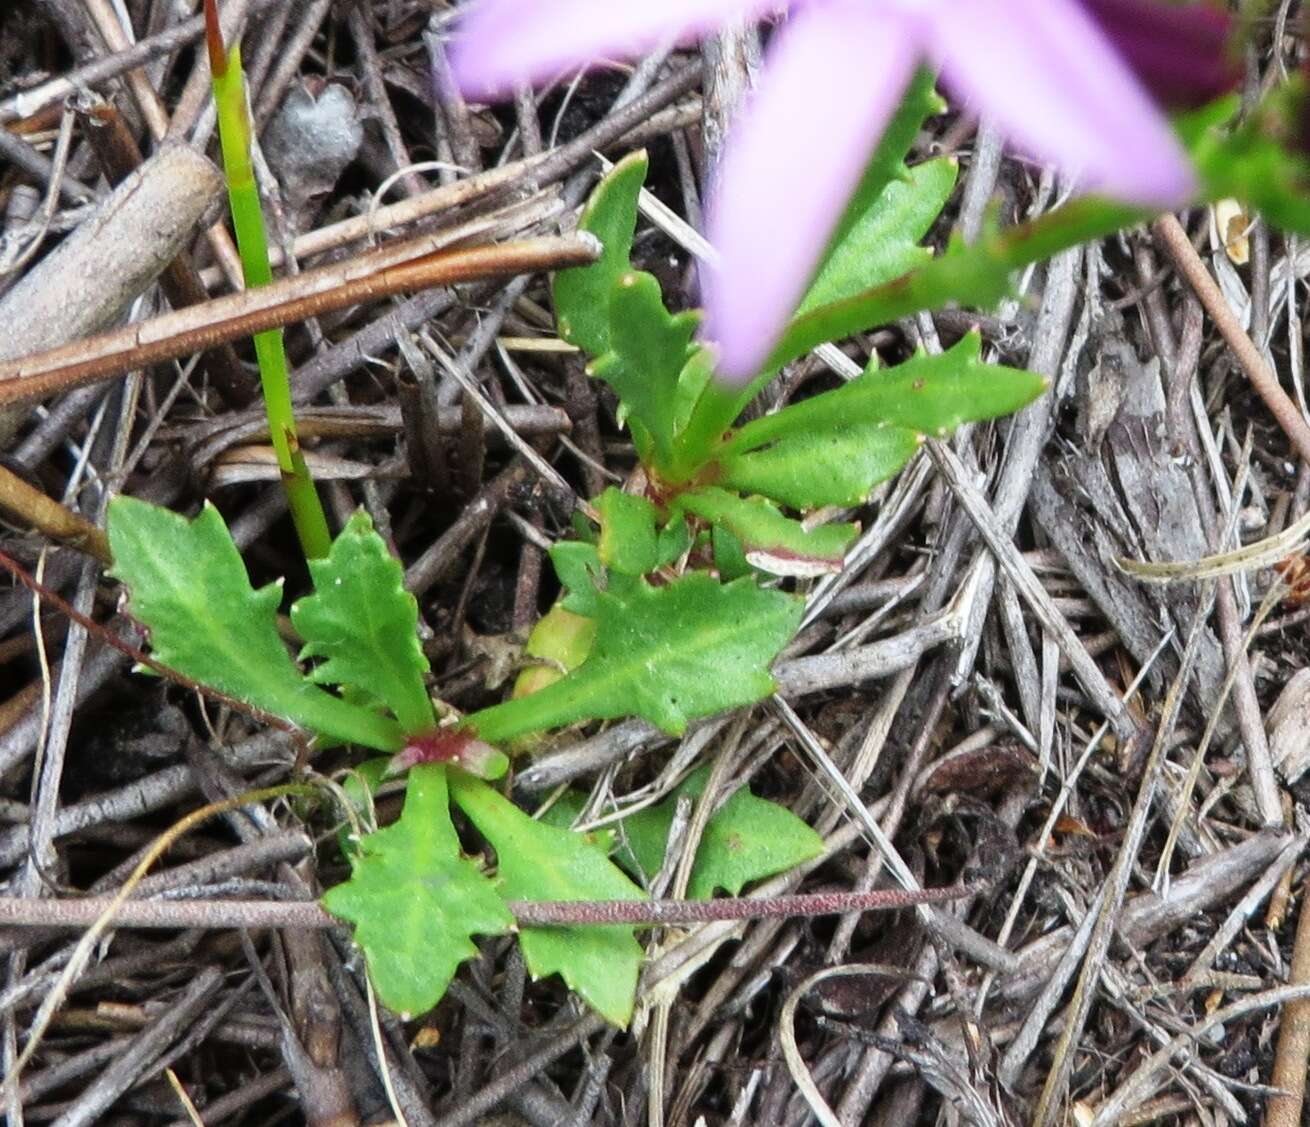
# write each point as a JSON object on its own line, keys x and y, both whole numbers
{"x": 25, "y": 912}
{"x": 1252, "y": 362}
{"x": 369, "y": 277}
{"x": 1284, "y": 1109}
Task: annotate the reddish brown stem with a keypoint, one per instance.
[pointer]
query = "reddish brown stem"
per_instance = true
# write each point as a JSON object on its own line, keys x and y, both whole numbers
{"x": 24, "y": 912}
{"x": 1251, "y": 360}
{"x": 214, "y": 40}
{"x": 292, "y": 299}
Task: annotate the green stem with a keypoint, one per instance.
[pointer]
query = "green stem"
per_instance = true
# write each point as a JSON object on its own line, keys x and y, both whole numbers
{"x": 976, "y": 276}
{"x": 252, "y": 241}
{"x": 715, "y": 411}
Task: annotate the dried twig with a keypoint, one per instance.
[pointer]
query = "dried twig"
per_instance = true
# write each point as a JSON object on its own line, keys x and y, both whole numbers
{"x": 1289, "y": 1074}
{"x": 368, "y": 278}
{"x": 1263, "y": 379}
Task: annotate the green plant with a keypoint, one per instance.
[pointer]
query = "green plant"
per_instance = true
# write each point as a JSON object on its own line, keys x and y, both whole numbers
{"x": 669, "y": 611}
{"x": 676, "y": 599}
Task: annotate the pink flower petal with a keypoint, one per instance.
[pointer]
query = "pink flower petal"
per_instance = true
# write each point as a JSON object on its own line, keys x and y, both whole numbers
{"x": 1055, "y": 84}
{"x": 504, "y": 43}
{"x": 832, "y": 79}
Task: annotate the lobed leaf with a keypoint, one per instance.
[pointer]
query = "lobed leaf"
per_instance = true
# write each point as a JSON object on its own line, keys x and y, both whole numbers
{"x": 886, "y": 166}
{"x": 884, "y": 242}
{"x": 772, "y": 542}
{"x": 668, "y": 654}
{"x": 541, "y": 862}
{"x": 582, "y": 294}
{"x": 867, "y": 223}
{"x": 415, "y": 901}
{"x": 364, "y": 625}
{"x": 190, "y": 587}
{"x": 928, "y": 394}
{"x": 628, "y": 542}
{"x": 578, "y": 566}
{"x": 977, "y": 275}
{"x": 649, "y": 347}
{"x": 745, "y": 840}
{"x": 835, "y": 466}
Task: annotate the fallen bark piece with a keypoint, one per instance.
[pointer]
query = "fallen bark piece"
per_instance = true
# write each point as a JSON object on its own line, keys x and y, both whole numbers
{"x": 1289, "y": 728}
{"x": 89, "y": 281}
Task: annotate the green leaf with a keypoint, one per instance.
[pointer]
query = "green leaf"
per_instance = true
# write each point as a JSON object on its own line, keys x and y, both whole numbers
{"x": 716, "y": 409}
{"x": 836, "y": 466}
{"x": 747, "y": 839}
{"x": 884, "y": 243}
{"x": 565, "y": 810}
{"x": 864, "y": 225}
{"x": 976, "y": 275}
{"x": 694, "y": 378}
{"x": 582, "y": 294}
{"x": 929, "y": 394}
{"x": 359, "y": 785}
{"x": 648, "y": 348}
{"x": 772, "y": 542}
{"x": 887, "y": 164}
{"x": 415, "y": 901}
{"x": 729, "y": 556}
{"x": 561, "y": 640}
{"x": 189, "y": 586}
{"x": 628, "y": 542}
{"x": 1251, "y": 161}
{"x": 541, "y": 862}
{"x": 674, "y": 541}
{"x": 579, "y": 569}
{"x": 364, "y": 625}
{"x": 1255, "y": 162}
{"x": 668, "y": 654}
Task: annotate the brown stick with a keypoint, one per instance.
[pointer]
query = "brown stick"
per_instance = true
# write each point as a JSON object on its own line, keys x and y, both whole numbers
{"x": 120, "y": 156}
{"x": 24, "y": 912}
{"x": 1174, "y": 239}
{"x": 47, "y": 515}
{"x": 292, "y": 299}
{"x": 1284, "y": 1110}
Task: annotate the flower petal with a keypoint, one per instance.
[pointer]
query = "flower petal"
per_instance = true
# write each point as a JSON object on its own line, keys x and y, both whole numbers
{"x": 1053, "y": 82}
{"x": 1183, "y": 53}
{"x": 503, "y": 43}
{"x": 832, "y": 79}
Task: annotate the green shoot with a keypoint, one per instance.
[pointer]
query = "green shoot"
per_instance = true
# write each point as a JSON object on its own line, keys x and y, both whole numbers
{"x": 252, "y": 241}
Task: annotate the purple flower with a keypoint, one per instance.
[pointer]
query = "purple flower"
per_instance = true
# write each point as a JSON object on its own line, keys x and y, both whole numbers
{"x": 834, "y": 75}
{"x": 1183, "y": 54}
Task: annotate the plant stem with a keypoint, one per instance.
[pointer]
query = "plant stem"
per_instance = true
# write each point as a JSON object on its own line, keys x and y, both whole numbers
{"x": 252, "y": 240}
{"x": 715, "y": 411}
{"x": 27, "y": 912}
